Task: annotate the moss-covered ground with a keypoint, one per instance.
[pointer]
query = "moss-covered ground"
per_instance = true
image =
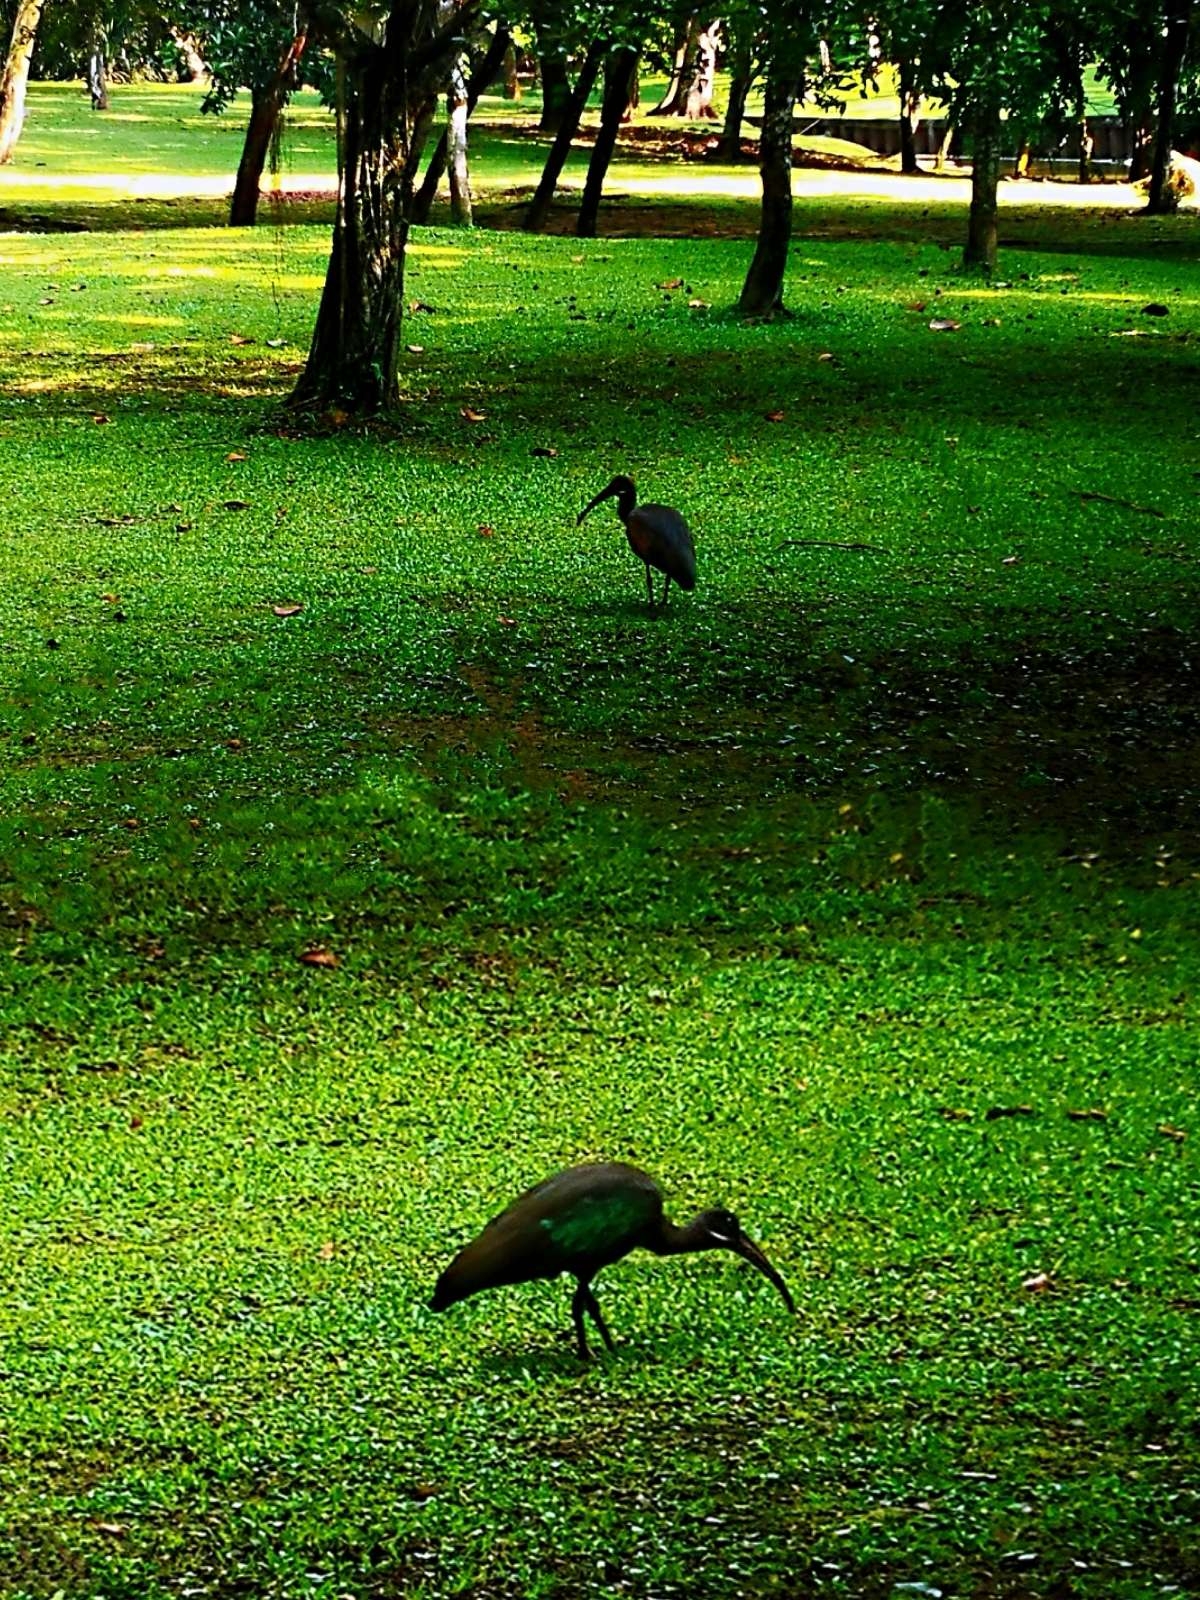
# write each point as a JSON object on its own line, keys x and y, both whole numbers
{"x": 368, "y": 851}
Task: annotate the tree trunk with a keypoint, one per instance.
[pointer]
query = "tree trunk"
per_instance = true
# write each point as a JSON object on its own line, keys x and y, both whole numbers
{"x": 481, "y": 79}
{"x": 539, "y": 206}
{"x": 97, "y": 70}
{"x": 762, "y": 292}
{"x": 687, "y": 33}
{"x": 512, "y": 83}
{"x": 985, "y": 183}
{"x": 1086, "y": 142}
{"x": 387, "y": 92}
{"x": 456, "y": 145}
{"x": 556, "y": 89}
{"x": 943, "y": 149}
{"x": 910, "y": 111}
{"x": 699, "y": 91}
{"x": 266, "y": 104}
{"x": 618, "y": 70}
{"x": 14, "y": 75}
{"x": 729, "y": 146}
{"x": 1161, "y": 199}
{"x": 192, "y": 59}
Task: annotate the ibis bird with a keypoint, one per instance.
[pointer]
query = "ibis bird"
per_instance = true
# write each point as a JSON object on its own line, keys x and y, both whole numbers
{"x": 579, "y": 1221}
{"x": 658, "y": 534}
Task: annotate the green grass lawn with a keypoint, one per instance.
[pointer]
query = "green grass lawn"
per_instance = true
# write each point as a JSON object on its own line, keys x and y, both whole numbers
{"x": 856, "y": 892}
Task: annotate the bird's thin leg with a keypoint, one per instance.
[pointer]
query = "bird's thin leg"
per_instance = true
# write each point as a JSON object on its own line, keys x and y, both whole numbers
{"x": 666, "y": 586}
{"x": 593, "y": 1306}
{"x": 578, "y": 1301}
{"x": 649, "y": 586}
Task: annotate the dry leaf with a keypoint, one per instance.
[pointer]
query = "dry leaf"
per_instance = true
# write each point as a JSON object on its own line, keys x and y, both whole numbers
{"x": 418, "y": 305}
{"x": 915, "y": 305}
{"x": 325, "y": 1253}
{"x": 955, "y": 1113}
{"x": 699, "y": 305}
{"x": 1009, "y": 561}
{"x": 100, "y": 417}
{"x": 130, "y": 822}
{"x": 239, "y": 338}
{"x": 1039, "y": 1282}
{"x": 774, "y": 416}
{"x": 318, "y": 955}
{"x": 236, "y": 455}
{"x": 46, "y": 300}
{"x": 671, "y": 283}
{"x": 827, "y": 355}
{"x": 944, "y": 325}
{"x": 472, "y": 415}
{"x": 117, "y": 1529}
{"x": 290, "y": 608}
{"x": 1009, "y": 1111}
{"x": 135, "y": 1122}
{"x": 508, "y": 622}
{"x": 415, "y": 349}
{"x": 1168, "y": 1132}
{"x": 546, "y": 450}
{"x": 1091, "y": 1114}
{"x": 485, "y": 530}
{"x": 236, "y": 505}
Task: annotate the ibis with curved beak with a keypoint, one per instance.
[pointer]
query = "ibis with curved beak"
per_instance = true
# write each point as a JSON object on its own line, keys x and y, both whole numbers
{"x": 658, "y": 535}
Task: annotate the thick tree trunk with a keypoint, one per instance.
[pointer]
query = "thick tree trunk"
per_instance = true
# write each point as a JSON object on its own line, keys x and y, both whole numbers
{"x": 97, "y": 70}
{"x": 762, "y": 292}
{"x": 687, "y": 32}
{"x": 985, "y": 183}
{"x": 387, "y": 93}
{"x": 14, "y": 75}
{"x": 482, "y": 77}
{"x": 456, "y": 146}
{"x": 1161, "y": 198}
{"x": 266, "y": 104}
{"x": 192, "y": 59}
{"x": 691, "y": 88}
{"x": 556, "y": 89}
{"x": 618, "y": 71}
{"x": 910, "y": 109}
{"x": 539, "y": 206}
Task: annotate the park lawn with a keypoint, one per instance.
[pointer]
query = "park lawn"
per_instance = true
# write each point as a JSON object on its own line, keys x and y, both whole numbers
{"x": 856, "y": 892}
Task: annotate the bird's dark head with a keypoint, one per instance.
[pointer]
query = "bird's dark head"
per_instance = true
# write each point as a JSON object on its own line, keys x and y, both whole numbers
{"x": 721, "y": 1230}
{"x": 626, "y": 496}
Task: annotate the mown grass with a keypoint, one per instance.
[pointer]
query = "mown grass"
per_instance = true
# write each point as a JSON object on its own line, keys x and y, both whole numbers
{"x": 857, "y": 892}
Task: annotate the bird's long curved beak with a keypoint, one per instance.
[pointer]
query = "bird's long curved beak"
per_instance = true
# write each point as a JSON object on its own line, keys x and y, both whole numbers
{"x": 593, "y": 503}
{"x": 750, "y": 1252}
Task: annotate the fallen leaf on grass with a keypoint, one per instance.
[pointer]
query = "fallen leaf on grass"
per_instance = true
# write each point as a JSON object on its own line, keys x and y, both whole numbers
{"x": 485, "y": 530}
{"x": 276, "y": 344}
{"x": 318, "y": 955}
{"x": 1090, "y": 1114}
{"x": 100, "y": 418}
{"x": 1039, "y": 1282}
{"x": 671, "y": 283}
{"x": 291, "y": 608}
{"x": 699, "y": 305}
{"x": 546, "y": 450}
{"x": 236, "y": 455}
{"x": 472, "y": 415}
{"x": 507, "y": 622}
{"x": 415, "y": 349}
{"x": 1168, "y": 1132}
{"x": 916, "y": 305}
{"x": 1155, "y": 309}
{"x": 1009, "y": 561}
{"x": 1009, "y": 1111}
{"x": 774, "y": 416}
{"x": 955, "y": 1113}
{"x": 239, "y": 338}
{"x": 236, "y": 505}
{"x": 326, "y": 1252}
{"x": 116, "y": 1529}
{"x": 418, "y": 305}
{"x": 944, "y": 325}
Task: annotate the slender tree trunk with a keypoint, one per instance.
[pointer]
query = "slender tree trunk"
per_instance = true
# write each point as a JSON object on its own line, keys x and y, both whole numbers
{"x": 266, "y": 104}
{"x": 556, "y": 90}
{"x": 687, "y": 33}
{"x": 1161, "y": 199}
{"x": 539, "y": 206}
{"x": 943, "y": 149}
{"x": 1086, "y": 142}
{"x": 386, "y": 97}
{"x": 697, "y": 104}
{"x": 512, "y": 83}
{"x": 762, "y": 292}
{"x": 618, "y": 70}
{"x": 14, "y": 75}
{"x": 192, "y": 59}
{"x": 456, "y": 146}
{"x": 97, "y": 70}
{"x": 985, "y": 183}
{"x": 910, "y": 110}
{"x": 481, "y": 79}
{"x": 729, "y": 146}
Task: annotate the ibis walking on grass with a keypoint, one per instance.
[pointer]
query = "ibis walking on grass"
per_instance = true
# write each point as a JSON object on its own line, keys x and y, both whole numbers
{"x": 579, "y": 1221}
{"x": 657, "y": 534}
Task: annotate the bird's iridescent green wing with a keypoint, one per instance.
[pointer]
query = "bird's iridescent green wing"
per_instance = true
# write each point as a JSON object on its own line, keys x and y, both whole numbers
{"x": 595, "y": 1224}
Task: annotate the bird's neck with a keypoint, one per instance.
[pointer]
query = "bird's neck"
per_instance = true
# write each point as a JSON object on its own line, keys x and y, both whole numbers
{"x": 673, "y": 1240}
{"x": 626, "y": 500}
